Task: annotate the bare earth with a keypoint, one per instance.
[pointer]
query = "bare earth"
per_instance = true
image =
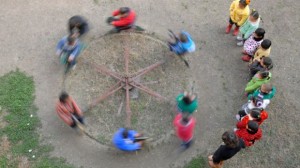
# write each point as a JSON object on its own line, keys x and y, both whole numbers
{"x": 30, "y": 30}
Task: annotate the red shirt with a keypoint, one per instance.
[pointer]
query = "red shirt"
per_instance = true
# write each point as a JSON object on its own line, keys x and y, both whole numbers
{"x": 242, "y": 124}
{"x": 248, "y": 138}
{"x": 184, "y": 132}
{"x": 65, "y": 111}
{"x": 124, "y": 21}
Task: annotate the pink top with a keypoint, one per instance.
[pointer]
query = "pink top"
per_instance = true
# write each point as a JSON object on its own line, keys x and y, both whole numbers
{"x": 184, "y": 132}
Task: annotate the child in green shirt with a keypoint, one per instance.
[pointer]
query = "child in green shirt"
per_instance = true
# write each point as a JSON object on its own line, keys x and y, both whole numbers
{"x": 186, "y": 102}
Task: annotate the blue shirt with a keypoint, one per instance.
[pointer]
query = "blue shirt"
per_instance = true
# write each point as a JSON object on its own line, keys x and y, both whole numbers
{"x": 63, "y": 46}
{"x": 181, "y": 48}
{"x": 127, "y": 144}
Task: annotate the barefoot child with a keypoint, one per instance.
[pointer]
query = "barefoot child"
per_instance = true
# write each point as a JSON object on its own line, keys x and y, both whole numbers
{"x": 249, "y": 27}
{"x": 239, "y": 12}
{"x": 252, "y": 43}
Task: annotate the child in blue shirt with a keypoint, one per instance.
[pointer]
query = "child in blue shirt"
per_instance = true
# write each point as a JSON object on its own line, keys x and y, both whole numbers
{"x": 125, "y": 140}
{"x": 71, "y": 46}
{"x": 183, "y": 44}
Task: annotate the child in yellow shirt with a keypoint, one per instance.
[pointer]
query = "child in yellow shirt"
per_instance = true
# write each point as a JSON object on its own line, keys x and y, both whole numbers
{"x": 239, "y": 12}
{"x": 263, "y": 50}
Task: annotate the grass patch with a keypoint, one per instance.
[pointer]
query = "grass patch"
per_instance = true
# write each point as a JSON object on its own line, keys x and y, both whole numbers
{"x": 17, "y": 98}
{"x": 197, "y": 162}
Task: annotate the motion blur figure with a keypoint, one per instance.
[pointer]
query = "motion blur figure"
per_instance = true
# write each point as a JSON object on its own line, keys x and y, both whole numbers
{"x": 122, "y": 19}
{"x": 77, "y": 24}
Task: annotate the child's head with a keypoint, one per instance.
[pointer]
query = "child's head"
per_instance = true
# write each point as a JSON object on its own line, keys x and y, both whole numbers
{"x": 252, "y": 127}
{"x": 63, "y": 97}
{"x": 124, "y": 11}
{"x": 255, "y": 114}
{"x": 254, "y": 15}
{"x": 230, "y": 139}
{"x": 264, "y": 74}
{"x": 259, "y": 33}
{"x": 244, "y": 3}
{"x": 266, "y": 88}
{"x": 185, "y": 118}
{"x": 183, "y": 38}
{"x": 266, "y": 44}
{"x": 266, "y": 62}
{"x": 188, "y": 98}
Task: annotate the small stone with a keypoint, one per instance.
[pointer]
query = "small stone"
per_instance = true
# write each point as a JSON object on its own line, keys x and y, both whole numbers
{"x": 33, "y": 156}
{"x": 31, "y": 115}
{"x": 30, "y": 150}
{"x": 28, "y": 124}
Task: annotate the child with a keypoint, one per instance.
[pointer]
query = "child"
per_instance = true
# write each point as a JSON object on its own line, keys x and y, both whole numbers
{"x": 248, "y": 27}
{"x": 250, "y": 134}
{"x": 71, "y": 46}
{"x": 260, "y": 78}
{"x": 67, "y": 108}
{"x": 186, "y": 102}
{"x": 183, "y": 44}
{"x": 184, "y": 126}
{"x": 232, "y": 145}
{"x": 252, "y": 43}
{"x": 264, "y": 64}
{"x": 256, "y": 114}
{"x": 239, "y": 12}
{"x": 122, "y": 19}
{"x": 79, "y": 23}
{"x": 125, "y": 140}
{"x": 264, "y": 50}
{"x": 267, "y": 90}
{"x": 255, "y": 102}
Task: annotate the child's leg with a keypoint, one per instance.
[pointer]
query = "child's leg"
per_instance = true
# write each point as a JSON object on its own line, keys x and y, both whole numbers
{"x": 229, "y": 27}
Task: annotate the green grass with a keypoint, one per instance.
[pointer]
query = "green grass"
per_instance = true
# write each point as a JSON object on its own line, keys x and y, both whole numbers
{"x": 17, "y": 98}
{"x": 197, "y": 162}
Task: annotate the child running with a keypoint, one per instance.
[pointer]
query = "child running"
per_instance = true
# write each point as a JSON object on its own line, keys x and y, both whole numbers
{"x": 252, "y": 43}
{"x": 239, "y": 12}
{"x": 184, "y": 126}
{"x": 187, "y": 102}
{"x": 249, "y": 27}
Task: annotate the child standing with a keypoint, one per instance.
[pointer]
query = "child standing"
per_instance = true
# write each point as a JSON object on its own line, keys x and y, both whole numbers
{"x": 248, "y": 28}
{"x": 232, "y": 145}
{"x": 250, "y": 134}
{"x": 264, "y": 64}
{"x": 267, "y": 90}
{"x": 239, "y": 12}
{"x": 263, "y": 50}
{"x": 252, "y": 43}
{"x": 260, "y": 78}
{"x": 256, "y": 114}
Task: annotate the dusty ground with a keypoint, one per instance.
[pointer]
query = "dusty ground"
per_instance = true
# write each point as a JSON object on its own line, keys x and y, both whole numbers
{"x": 31, "y": 28}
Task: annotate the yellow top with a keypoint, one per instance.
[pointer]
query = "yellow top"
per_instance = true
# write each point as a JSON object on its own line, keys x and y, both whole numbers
{"x": 237, "y": 14}
{"x": 260, "y": 52}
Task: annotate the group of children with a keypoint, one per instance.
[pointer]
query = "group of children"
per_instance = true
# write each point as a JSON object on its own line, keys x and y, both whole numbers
{"x": 259, "y": 90}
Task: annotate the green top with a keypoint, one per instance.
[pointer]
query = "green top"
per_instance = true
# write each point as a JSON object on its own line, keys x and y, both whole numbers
{"x": 183, "y": 107}
{"x": 248, "y": 28}
{"x": 255, "y": 83}
{"x": 266, "y": 96}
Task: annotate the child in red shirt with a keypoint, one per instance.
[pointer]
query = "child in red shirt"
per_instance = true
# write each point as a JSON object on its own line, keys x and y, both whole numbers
{"x": 184, "y": 126}
{"x": 256, "y": 114}
{"x": 123, "y": 18}
{"x": 250, "y": 134}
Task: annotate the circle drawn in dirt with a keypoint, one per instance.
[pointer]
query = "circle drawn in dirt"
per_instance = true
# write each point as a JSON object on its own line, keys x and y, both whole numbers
{"x": 113, "y": 63}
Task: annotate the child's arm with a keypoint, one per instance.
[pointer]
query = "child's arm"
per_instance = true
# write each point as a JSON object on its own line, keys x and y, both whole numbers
{"x": 116, "y": 12}
{"x": 251, "y": 87}
{"x": 244, "y": 18}
{"x": 250, "y": 32}
{"x": 60, "y": 46}
{"x": 231, "y": 9}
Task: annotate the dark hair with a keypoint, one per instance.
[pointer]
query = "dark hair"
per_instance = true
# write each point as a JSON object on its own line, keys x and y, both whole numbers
{"x": 125, "y": 133}
{"x": 244, "y": 2}
{"x": 183, "y": 37}
{"x": 252, "y": 127}
{"x": 63, "y": 97}
{"x": 187, "y": 99}
{"x": 266, "y": 44}
{"x": 255, "y": 113}
{"x": 71, "y": 39}
{"x": 264, "y": 74}
{"x": 185, "y": 118}
{"x": 267, "y": 61}
{"x": 124, "y": 10}
{"x": 260, "y": 32}
{"x": 230, "y": 139}
{"x": 254, "y": 14}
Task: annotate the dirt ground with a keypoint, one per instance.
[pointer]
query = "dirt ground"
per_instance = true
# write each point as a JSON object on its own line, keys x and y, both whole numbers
{"x": 31, "y": 29}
